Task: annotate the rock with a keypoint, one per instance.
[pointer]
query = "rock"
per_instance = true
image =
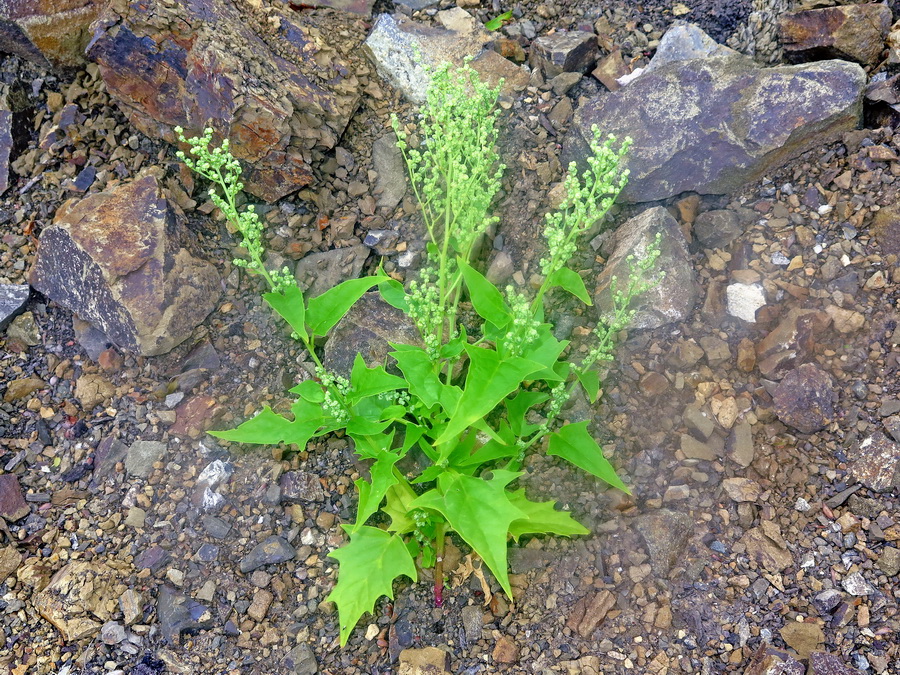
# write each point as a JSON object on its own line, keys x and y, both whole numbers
{"x": 505, "y": 650}
{"x": 472, "y": 618}
{"x": 13, "y": 506}
{"x": 803, "y": 638}
{"x": 79, "y": 599}
{"x": 709, "y": 450}
{"x": 855, "y": 584}
{"x": 10, "y": 559}
{"x": 766, "y": 546}
{"x": 54, "y": 33}
{"x": 564, "y": 52}
{"x": 827, "y": 601}
{"x": 875, "y": 462}
{"x": 301, "y": 661}
{"x": 610, "y": 68}
{"x": 791, "y": 342}
{"x": 456, "y": 19}
{"x": 215, "y": 527}
{"x": 885, "y": 228}
{"x": 673, "y": 297}
{"x": 281, "y": 96}
{"x": 24, "y": 330}
{"x": 742, "y": 489}
{"x": 12, "y": 297}
{"x": 851, "y": 32}
{"x": 698, "y": 422}
{"x": 6, "y": 151}
{"x": 888, "y": 562}
{"x": 142, "y": 455}
{"x": 300, "y": 486}
{"x": 768, "y": 660}
{"x": 262, "y": 600}
{"x": 22, "y": 388}
{"x": 401, "y": 49}
{"x": 717, "y": 349}
{"x": 136, "y": 517}
{"x": 717, "y": 229}
{"x": 821, "y": 663}
{"x": 424, "y": 661}
{"x": 845, "y": 320}
{"x": 387, "y": 160}
{"x": 115, "y": 259}
{"x": 666, "y": 534}
{"x": 744, "y": 300}
{"x": 685, "y": 41}
{"x": 92, "y": 389}
{"x": 804, "y": 399}
{"x": 496, "y": 71}
{"x": 740, "y": 446}
{"x": 153, "y": 558}
{"x": 272, "y": 551}
{"x": 131, "y": 603}
{"x": 678, "y": 112}
{"x": 562, "y": 83}
{"x": 367, "y": 329}
{"x": 595, "y": 612}
{"x": 110, "y": 451}
{"x": 178, "y": 614}
{"x": 112, "y": 632}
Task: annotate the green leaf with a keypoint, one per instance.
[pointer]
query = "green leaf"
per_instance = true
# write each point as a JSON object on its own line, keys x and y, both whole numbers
{"x": 497, "y": 22}
{"x": 358, "y": 425}
{"x": 270, "y": 428}
{"x": 542, "y": 518}
{"x": 489, "y": 381}
{"x": 480, "y": 511}
{"x": 292, "y": 308}
{"x": 398, "y": 498}
{"x": 392, "y": 293}
{"x": 517, "y": 408}
{"x": 590, "y": 380}
{"x": 325, "y": 310}
{"x": 368, "y": 566}
{"x": 418, "y": 369}
{"x": 545, "y": 351}
{"x": 575, "y": 445}
{"x": 309, "y": 390}
{"x": 572, "y": 282}
{"x": 486, "y": 298}
{"x": 371, "y": 494}
{"x": 367, "y": 382}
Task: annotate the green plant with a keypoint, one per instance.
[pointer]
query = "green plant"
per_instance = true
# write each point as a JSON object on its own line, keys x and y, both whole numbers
{"x": 470, "y": 401}
{"x": 497, "y": 22}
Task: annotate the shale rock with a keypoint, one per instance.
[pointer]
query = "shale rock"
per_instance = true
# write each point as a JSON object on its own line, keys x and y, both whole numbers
{"x": 12, "y": 301}
{"x": 115, "y": 258}
{"x": 805, "y": 399}
{"x": 876, "y": 462}
{"x": 851, "y": 32}
{"x": 53, "y": 32}
{"x": 697, "y": 125}
{"x": 272, "y": 85}
{"x": 683, "y": 42}
{"x": 673, "y": 297}
{"x": 80, "y": 598}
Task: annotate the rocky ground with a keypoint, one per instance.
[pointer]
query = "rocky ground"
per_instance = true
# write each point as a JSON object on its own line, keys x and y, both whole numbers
{"x": 762, "y": 455}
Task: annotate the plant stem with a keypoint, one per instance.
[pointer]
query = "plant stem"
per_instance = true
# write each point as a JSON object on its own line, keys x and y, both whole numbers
{"x": 441, "y": 530}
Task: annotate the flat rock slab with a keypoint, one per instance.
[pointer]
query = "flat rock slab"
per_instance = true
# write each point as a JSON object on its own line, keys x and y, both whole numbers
{"x": 53, "y": 32}
{"x": 270, "y": 84}
{"x": 713, "y": 125}
{"x": 142, "y": 455}
{"x": 318, "y": 272}
{"x": 771, "y": 661}
{"x": 179, "y": 615}
{"x": 116, "y": 259}
{"x": 80, "y": 598}
{"x": 766, "y": 546}
{"x": 673, "y": 297}
{"x": 851, "y": 32}
{"x": 821, "y": 663}
{"x": 6, "y": 148}
{"x": 875, "y": 462}
{"x": 12, "y": 503}
{"x": 666, "y": 534}
{"x": 804, "y": 399}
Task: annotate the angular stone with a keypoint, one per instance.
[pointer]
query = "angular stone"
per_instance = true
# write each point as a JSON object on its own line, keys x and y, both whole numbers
{"x": 141, "y": 457}
{"x": 112, "y": 633}
{"x": 12, "y": 297}
{"x": 424, "y": 661}
{"x": 262, "y": 600}
{"x": 673, "y": 297}
{"x": 6, "y": 148}
{"x": 318, "y": 272}
{"x": 301, "y": 661}
{"x": 387, "y": 160}
{"x": 301, "y": 486}
{"x": 178, "y": 614}
{"x": 885, "y": 228}
{"x": 272, "y": 551}
{"x": 803, "y": 638}
{"x": 153, "y": 558}
{"x": 115, "y": 258}
{"x": 792, "y": 341}
{"x": 804, "y": 399}
{"x": 821, "y": 663}
{"x": 698, "y": 422}
{"x": 768, "y": 660}
{"x": 717, "y": 229}
{"x": 744, "y": 300}
{"x": 766, "y": 546}
{"x": 740, "y": 447}
{"x": 22, "y": 388}
{"x": 24, "y": 331}
{"x": 595, "y": 612}
{"x": 610, "y": 68}
{"x": 10, "y": 559}
{"x": 109, "y": 452}
{"x": 827, "y": 601}
{"x": 274, "y": 88}
{"x": 472, "y": 617}
{"x": 666, "y": 534}
{"x": 366, "y": 330}
{"x": 875, "y": 462}
{"x": 855, "y": 584}
{"x": 845, "y": 320}
{"x": 92, "y": 389}
{"x": 80, "y": 597}
{"x": 12, "y": 504}
{"x": 131, "y": 603}
{"x": 709, "y": 450}
{"x": 851, "y": 32}
{"x": 215, "y": 527}
{"x": 742, "y": 489}
{"x": 48, "y": 32}
{"x": 694, "y": 129}
{"x": 888, "y": 562}
{"x": 685, "y": 41}
{"x": 564, "y": 52}
{"x": 402, "y": 49}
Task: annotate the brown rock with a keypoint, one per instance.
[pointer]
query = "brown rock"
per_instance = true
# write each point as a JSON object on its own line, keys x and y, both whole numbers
{"x": 885, "y": 228}
{"x": 54, "y": 31}
{"x": 653, "y": 384}
{"x": 803, "y": 638}
{"x": 23, "y": 387}
{"x": 821, "y": 663}
{"x": 742, "y": 489}
{"x": 505, "y": 651}
{"x": 888, "y": 562}
{"x": 116, "y": 259}
{"x": 805, "y": 399}
{"x": 194, "y": 416}
{"x": 768, "y": 660}
{"x": 851, "y": 32}
{"x": 10, "y": 559}
{"x": 570, "y": 52}
{"x": 80, "y": 597}
{"x": 595, "y": 612}
{"x": 92, "y": 389}
{"x": 746, "y": 355}
{"x": 258, "y": 609}
{"x": 792, "y": 341}
{"x": 424, "y": 661}
{"x": 767, "y": 547}
{"x": 272, "y": 87}
{"x": 845, "y": 320}
{"x": 12, "y": 503}
{"x": 666, "y": 534}
{"x": 740, "y": 444}
{"x": 875, "y": 462}
{"x": 610, "y": 68}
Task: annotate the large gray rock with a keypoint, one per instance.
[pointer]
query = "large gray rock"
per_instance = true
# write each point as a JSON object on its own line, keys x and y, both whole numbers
{"x": 12, "y": 301}
{"x": 116, "y": 259}
{"x": 318, "y": 272}
{"x": 673, "y": 297}
{"x": 712, "y": 125}
{"x": 6, "y": 146}
{"x": 684, "y": 41}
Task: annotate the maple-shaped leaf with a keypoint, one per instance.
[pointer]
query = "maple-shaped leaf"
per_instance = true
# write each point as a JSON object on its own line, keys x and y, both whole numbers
{"x": 368, "y": 566}
{"x": 542, "y": 518}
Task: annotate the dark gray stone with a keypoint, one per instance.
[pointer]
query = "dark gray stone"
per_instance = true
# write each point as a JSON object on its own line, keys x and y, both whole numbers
{"x": 473, "y": 622}
{"x": 301, "y": 661}
{"x": 6, "y": 146}
{"x": 12, "y": 300}
{"x": 804, "y": 399}
{"x": 215, "y": 527}
{"x": 388, "y": 162}
{"x": 717, "y": 229}
{"x": 827, "y": 601}
{"x": 153, "y": 558}
{"x": 109, "y": 452}
{"x": 178, "y": 614}
{"x": 666, "y": 535}
{"x": 272, "y": 551}
{"x": 318, "y": 272}
{"x": 564, "y": 52}
{"x": 301, "y": 486}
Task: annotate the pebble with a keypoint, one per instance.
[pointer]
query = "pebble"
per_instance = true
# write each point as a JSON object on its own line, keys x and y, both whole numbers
{"x": 272, "y": 551}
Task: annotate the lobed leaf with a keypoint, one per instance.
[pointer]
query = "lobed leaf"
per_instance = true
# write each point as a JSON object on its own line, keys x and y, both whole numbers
{"x": 486, "y": 298}
{"x": 371, "y": 493}
{"x": 268, "y": 427}
{"x": 542, "y": 518}
{"x": 575, "y": 445}
{"x": 367, "y": 382}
